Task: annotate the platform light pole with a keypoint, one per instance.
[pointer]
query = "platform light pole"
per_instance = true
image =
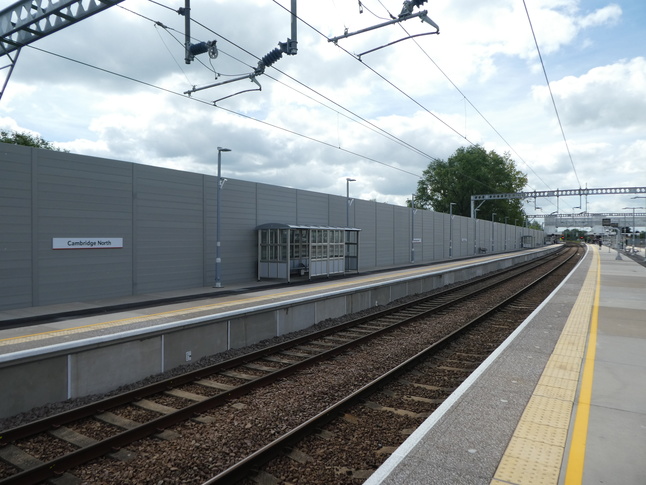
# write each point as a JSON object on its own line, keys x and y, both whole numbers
{"x": 633, "y": 208}
{"x": 506, "y": 217}
{"x": 515, "y": 234}
{"x": 218, "y": 190}
{"x": 475, "y": 232}
{"x": 451, "y": 228}
{"x": 412, "y": 228}
{"x": 493, "y": 216}
{"x": 347, "y": 200}
{"x": 641, "y": 197}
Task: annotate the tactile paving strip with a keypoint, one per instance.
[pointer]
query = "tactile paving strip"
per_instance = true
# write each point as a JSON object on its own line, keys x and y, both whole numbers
{"x": 535, "y": 452}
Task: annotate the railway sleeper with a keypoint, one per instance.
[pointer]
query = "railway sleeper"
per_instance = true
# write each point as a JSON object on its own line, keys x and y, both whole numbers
{"x": 24, "y": 461}
{"x": 238, "y": 375}
{"x": 399, "y": 412}
{"x": 393, "y": 394}
{"x": 280, "y": 360}
{"x": 191, "y": 396}
{"x": 299, "y": 456}
{"x": 259, "y": 367}
{"x": 80, "y": 440}
{"x": 125, "y": 423}
{"x": 214, "y": 384}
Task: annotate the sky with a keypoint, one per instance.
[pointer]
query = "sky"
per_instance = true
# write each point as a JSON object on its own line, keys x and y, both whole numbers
{"x": 114, "y": 86}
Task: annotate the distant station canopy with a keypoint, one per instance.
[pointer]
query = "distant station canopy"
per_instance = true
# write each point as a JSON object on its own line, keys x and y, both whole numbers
{"x": 287, "y": 250}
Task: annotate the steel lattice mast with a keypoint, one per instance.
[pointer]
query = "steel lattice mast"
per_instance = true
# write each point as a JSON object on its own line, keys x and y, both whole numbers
{"x": 27, "y": 21}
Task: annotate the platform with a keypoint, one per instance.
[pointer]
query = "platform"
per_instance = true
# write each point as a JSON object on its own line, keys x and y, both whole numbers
{"x": 563, "y": 401}
{"x": 73, "y": 355}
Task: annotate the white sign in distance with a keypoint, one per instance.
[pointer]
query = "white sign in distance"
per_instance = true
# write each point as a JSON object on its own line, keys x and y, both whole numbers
{"x": 87, "y": 243}
{"x": 417, "y": 240}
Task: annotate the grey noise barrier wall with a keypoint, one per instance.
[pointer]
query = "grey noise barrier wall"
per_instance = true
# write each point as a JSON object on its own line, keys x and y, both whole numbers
{"x": 36, "y": 377}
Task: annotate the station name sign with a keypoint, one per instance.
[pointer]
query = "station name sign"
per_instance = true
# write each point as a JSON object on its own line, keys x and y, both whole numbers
{"x": 87, "y": 242}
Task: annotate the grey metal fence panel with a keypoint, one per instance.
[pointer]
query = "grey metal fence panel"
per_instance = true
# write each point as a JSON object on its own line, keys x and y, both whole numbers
{"x": 239, "y": 238}
{"x": 312, "y": 208}
{"x": 402, "y": 235}
{"x": 385, "y": 239}
{"x": 365, "y": 214}
{"x": 15, "y": 227}
{"x": 169, "y": 219}
{"x": 276, "y": 204}
{"x": 427, "y": 235}
{"x": 81, "y": 197}
{"x": 439, "y": 236}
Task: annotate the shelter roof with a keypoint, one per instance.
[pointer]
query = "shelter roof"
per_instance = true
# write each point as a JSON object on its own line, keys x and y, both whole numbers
{"x": 280, "y": 225}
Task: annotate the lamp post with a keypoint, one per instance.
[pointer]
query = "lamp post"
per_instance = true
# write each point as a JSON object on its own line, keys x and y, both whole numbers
{"x": 218, "y": 190}
{"x": 641, "y": 197}
{"x": 515, "y": 234}
{"x": 493, "y": 216}
{"x": 347, "y": 200}
{"x": 506, "y": 217}
{"x": 633, "y": 208}
{"x": 412, "y": 228}
{"x": 451, "y": 228}
{"x": 475, "y": 231}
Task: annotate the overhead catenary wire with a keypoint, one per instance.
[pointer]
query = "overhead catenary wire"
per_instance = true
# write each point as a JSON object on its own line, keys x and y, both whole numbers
{"x": 373, "y": 125}
{"x": 467, "y": 100}
{"x": 371, "y": 69}
{"x": 382, "y": 77}
{"x": 551, "y": 94}
{"x": 177, "y": 93}
{"x": 236, "y": 113}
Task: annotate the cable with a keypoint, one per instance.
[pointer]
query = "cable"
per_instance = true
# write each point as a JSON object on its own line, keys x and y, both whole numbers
{"x": 551, "y": 94}
{"x": 389, "y": 135}
{"x": 382, "y": 77}
{"x": 470, "y": 103}
{"x": 169, "y": 91}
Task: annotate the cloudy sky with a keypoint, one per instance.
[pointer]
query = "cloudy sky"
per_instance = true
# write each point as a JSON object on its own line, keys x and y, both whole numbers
{"x": 113, "y": 86}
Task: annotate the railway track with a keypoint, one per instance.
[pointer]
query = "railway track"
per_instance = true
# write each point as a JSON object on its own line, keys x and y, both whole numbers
{"x": 203, "y": 397}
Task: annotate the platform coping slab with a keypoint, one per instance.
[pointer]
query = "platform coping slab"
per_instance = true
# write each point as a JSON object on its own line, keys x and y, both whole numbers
{"x": 536, "y": 449}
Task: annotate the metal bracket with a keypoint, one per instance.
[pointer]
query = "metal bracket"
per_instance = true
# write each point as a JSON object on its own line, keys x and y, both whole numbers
{"x": 253, "y": 79}
{"x": 422, "y": 15}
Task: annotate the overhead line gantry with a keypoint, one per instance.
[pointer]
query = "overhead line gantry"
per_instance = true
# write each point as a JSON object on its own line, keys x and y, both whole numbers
{"x": 553, "y": 193}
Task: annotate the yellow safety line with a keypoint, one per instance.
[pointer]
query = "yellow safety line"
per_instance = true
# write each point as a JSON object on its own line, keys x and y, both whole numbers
{"x": 576, "y": 458}
{"x": 185, "y": 311}
{"x": 535, "y": 452}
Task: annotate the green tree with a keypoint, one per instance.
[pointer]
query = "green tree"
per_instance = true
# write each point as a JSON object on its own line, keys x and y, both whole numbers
{"x": 26, "y": 139}
{"x": 471, "y": 171}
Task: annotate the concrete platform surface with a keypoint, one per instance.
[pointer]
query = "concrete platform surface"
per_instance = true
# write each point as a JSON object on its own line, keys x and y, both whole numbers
{"x": 563, "y": 401}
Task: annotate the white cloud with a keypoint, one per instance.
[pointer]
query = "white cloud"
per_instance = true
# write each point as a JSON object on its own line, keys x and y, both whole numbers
{"x": 485, "y": 48}
{"x": 608, "y": 97}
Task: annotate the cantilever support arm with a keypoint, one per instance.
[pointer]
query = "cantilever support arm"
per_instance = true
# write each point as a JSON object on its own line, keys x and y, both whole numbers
{"x": 421, "y": 14}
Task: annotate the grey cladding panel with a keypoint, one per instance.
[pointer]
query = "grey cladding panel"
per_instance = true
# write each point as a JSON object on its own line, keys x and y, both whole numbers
{"x": 276, "y": 204}
{"x": 402, "y": 234}
{"x": 312, "y": 208}
{"x": 15, "y": 227}
{"x": 82, "y": 197}
{"x": 170, "y": 229}
{"x": 238, "y": 238}
{"x": 384, "y": 237}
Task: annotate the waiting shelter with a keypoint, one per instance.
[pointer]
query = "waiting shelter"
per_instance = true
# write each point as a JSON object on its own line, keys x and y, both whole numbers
{"x": 527, "y": 242}
{"x": 285, "y": 250}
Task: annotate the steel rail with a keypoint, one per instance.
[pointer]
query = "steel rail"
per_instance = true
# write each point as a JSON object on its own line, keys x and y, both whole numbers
{"x": 274, "y": 449}
{"x": 61, "y": 419}
{"x": 66, "y": 462}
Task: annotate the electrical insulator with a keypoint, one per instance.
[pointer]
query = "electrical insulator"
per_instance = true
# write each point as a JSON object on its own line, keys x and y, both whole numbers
{"x": 272, "y": 57}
